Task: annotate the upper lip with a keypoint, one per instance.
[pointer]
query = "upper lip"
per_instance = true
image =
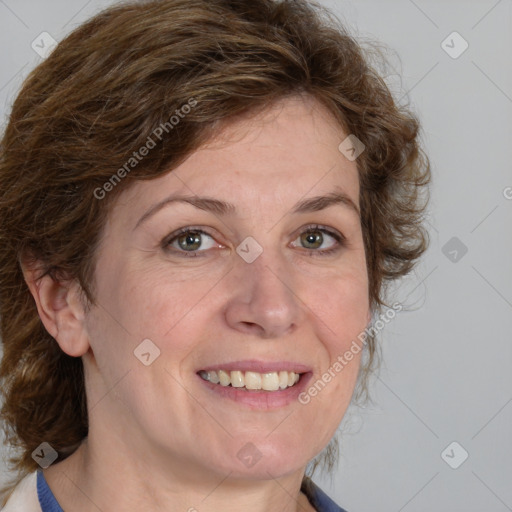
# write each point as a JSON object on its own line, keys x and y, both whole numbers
{"x": 258, "y": 366}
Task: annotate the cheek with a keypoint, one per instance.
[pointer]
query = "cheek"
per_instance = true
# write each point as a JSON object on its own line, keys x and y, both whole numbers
{"x": 151, "y": 300}
{"x": 340, "y": 313}
{"x": 341, "y": 303}
{"x": 166, "y": 306}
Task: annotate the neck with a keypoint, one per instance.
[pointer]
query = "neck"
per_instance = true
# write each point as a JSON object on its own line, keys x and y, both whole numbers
{"x": 109, "y": 476}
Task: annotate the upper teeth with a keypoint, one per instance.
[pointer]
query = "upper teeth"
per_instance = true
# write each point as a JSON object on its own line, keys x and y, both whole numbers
{"x": 271, "y": 381}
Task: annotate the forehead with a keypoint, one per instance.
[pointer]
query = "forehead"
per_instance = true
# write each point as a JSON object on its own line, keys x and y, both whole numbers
{"x": 277, "y": 157}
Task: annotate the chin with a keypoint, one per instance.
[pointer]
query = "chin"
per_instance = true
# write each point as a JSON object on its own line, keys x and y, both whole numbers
{"x": 261, "y": 459}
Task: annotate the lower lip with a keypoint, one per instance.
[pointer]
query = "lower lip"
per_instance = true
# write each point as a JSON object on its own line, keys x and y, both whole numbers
{"x": 257, "y": 399}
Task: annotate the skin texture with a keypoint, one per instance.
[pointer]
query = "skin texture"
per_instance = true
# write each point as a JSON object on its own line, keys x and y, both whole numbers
{"x": 159, "y": 438}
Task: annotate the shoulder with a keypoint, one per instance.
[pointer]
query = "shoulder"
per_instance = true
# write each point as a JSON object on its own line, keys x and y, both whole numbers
{"x": 24, "y": 496}
{"x": 318, "y": 499}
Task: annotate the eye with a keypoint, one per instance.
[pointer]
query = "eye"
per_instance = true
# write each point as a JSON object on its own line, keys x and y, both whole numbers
{"x": 189, "y": 240}
{"x": 314, "y": 237}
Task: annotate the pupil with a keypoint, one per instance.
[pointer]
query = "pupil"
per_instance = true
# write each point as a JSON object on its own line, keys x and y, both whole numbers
{"x": 190, "y": 239}
{"x": 313, "y": 239}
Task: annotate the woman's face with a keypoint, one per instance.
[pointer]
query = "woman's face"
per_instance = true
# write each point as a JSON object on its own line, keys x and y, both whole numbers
{"x": 261, "y": 286}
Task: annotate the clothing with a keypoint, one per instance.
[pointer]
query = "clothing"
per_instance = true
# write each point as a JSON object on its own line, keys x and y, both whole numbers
{"x": 33, "y": 494}
{"x": 320, "y": 501}
{"x": 47, "y": 500}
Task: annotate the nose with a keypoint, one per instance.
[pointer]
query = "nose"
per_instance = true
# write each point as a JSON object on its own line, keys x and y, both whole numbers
{"x": 264, "y": 301}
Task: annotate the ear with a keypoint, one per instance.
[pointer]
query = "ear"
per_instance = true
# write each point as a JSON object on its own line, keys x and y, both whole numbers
{"x": 60, "y": 309}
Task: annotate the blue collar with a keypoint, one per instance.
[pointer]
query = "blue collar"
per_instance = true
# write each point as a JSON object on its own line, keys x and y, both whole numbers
{"x": 320, "y": 501}
{"x": 44, "y": 493}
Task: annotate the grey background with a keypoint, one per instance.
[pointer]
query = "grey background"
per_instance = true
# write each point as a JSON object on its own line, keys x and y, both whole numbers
{"x": 446, "y": 371}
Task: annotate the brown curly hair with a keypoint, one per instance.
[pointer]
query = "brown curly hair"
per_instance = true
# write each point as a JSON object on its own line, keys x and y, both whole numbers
{"x": 99, "y": 96}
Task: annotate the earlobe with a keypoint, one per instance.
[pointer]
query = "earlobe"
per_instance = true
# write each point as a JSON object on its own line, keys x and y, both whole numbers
{"x": 60, "y": 309}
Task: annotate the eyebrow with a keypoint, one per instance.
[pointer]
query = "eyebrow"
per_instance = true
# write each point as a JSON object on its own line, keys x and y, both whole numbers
{"x": 222, "y": 208}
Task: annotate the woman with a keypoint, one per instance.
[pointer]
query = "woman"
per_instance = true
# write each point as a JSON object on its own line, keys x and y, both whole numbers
{"x": 201, "y": 203}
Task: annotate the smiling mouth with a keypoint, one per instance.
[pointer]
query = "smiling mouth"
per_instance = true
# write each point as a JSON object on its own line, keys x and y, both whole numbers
{"x": 252, "y": 381}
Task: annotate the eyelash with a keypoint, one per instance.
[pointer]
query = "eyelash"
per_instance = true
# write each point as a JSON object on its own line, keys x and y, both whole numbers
{"x": 340, "y": 239}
